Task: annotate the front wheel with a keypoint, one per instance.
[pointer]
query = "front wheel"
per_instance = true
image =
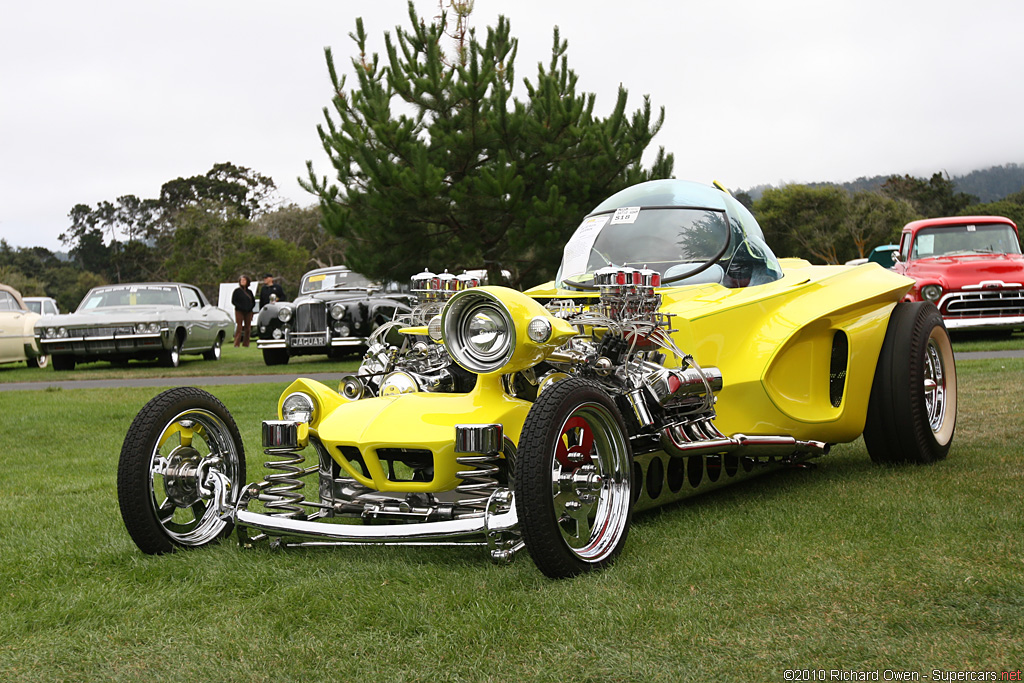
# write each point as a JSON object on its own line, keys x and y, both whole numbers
{"x": 171, "y": 447}
{"x": 912, "y": 408}
{"x": 573, "y": 479}
{"x": 275, "y": 356}
{"x": 169, "y": 358}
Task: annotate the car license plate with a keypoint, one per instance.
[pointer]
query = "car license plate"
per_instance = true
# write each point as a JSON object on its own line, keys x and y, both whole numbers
{"x": 312, "y": 340}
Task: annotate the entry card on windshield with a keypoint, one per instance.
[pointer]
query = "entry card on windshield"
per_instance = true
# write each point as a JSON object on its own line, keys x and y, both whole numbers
{"x": 626, "y": 214}
{"x": 577, "y": 250}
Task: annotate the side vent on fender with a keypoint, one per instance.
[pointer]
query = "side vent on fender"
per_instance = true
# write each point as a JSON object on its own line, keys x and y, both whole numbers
{"x": 837, "y": 368}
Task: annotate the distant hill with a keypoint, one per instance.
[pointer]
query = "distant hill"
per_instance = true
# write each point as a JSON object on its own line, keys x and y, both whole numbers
{"x": 988, "y": 185}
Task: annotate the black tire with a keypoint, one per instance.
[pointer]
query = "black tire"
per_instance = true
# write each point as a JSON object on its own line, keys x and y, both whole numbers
{"x": 63, "y": 362}
{"x": 214, "y": 352}
{"x": 38, "y": 362}
{"x": 912, "y": 408}
{"x": 573, "y": 498}
{"x": 275, "y": 356}
{"x": 170, "y": 358}
{"x": 158, "y": 491}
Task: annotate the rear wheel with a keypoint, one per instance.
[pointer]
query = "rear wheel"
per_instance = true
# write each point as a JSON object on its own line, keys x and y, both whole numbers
{"x": 214, "y": 352}
{"x": 573, "y": 479}
{"x": 912, "y": 408}
{"x": 38, "y": 362}
{"x": 164, "y": 471}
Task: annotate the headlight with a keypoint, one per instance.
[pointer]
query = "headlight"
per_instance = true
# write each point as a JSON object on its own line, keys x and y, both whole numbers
{"x": 338, "y": 311}
{"x": 298, "y": 407}
{"x": 539, "y": 329}
{"x": 62, "y": 332}
{"x": 285, "y": 314}
{"x": 434, "y": 328}
{"x": 931, "y": 292}
{"x": 478, "y": 331}
{"x": 50, "y": 333}
{"x": 278, "y": 334}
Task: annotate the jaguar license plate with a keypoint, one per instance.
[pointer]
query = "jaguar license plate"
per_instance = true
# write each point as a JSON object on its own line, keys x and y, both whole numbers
{"x": 310, "y": 340}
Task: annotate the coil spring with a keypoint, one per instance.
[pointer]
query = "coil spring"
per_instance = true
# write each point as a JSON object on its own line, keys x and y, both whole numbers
{"x": 479, "y": 482}
{"x": 281, "y": 499}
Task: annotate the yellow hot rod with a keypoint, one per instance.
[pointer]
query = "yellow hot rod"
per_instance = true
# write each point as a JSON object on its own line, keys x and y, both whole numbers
{"x": 673, "y": 353}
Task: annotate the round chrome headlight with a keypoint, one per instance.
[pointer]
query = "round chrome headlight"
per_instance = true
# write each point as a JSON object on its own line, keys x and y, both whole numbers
{"x": 338, "y": 311}
{"x": 62, "y": 332}
{"x": 141, "y": 328}
{"x": 478, "y": 331}
{"x": 342, "y": 329}
{"x": 931, "y": 292}
{"x": 50, "y": 333}
{"x": 298, "y": 407}
{"x": 285, "y": 314}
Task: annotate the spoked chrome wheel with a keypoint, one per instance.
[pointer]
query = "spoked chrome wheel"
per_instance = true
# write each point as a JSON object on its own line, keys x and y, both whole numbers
{"x": 572, "y": 479}
{"x": 179, "y": 444}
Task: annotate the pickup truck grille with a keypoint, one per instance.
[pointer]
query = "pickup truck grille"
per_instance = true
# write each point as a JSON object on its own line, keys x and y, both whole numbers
{"x": 991, "y": 303}
{"x": 310, "y": 317}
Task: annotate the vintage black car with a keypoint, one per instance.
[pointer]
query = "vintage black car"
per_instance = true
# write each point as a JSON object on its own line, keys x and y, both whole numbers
{"x": 335, "y": 312}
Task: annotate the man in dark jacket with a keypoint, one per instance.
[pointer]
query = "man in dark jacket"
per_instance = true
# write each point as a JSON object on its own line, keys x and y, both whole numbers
{"x": 244, "y": 301}
{"x": 270, "y": 287}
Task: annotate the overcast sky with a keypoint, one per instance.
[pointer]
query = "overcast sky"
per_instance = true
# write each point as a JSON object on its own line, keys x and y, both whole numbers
{"x": 104, "y": 99}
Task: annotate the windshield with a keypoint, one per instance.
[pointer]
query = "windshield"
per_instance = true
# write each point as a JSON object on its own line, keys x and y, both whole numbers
{"x": 131, "y": 295}
{"x": 949, "y": 240}
{"x": 334, "y": 279}
{"x": 673, "y": 227}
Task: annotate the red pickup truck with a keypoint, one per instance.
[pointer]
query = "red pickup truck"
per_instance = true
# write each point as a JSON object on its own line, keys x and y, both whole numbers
{"x": 971, "y": 267}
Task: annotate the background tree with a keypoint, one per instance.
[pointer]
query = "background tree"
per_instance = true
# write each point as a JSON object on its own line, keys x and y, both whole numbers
{"x": 874, "y": 219}
{"x": 930, "y": 198}
{"x": 301, "y": 226}
{"x": 803, "y": 221}
{"x": 465, "y": 175}
{"x": 227, "y": 186}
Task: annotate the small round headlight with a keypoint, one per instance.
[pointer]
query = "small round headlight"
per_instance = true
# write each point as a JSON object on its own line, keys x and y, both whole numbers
{"x": 434, "y": 328}
{"x": 931, "y": 292}
{"x": 141, "y": 328}
{"x": 539, "y": 329}
{"x": 342, "y": 330}
{"x": 338, "y": 311}
{"x": 62, "y": 331}
{"x": 278, "y": 334}
{"x": 50, "y": 333}
{"x": 299, "y": 407}
{"x": 285, "y": 314}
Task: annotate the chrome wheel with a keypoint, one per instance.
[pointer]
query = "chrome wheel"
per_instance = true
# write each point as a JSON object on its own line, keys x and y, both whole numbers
{"x": 589, "y": 482}
{"x": 178, "y": 445}
{"x": 573, "y": 479}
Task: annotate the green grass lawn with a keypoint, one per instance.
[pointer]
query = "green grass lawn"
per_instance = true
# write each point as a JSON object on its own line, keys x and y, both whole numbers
{"x": 240, "y": 361}
{"x": 844, "y": 566}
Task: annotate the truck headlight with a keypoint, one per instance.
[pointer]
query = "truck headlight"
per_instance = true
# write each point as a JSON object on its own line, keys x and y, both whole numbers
{"x": 479, "y": 332}
{"x": 931, "y": 292}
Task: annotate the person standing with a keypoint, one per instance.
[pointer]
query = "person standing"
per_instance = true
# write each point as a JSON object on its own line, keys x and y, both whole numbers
{"x": 244, "y": 301}
{"x": 270, "y": 287}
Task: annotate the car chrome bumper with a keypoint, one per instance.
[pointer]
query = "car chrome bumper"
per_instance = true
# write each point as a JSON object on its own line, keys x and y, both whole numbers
{"x": 334, "y": 343}
{"x": 985, "y": 323}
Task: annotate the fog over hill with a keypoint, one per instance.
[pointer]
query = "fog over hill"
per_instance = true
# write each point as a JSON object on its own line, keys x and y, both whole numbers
{"x": 988, "y": 185}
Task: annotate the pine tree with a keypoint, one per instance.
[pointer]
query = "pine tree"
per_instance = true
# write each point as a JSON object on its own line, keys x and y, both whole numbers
{"x": 438, "y": 165}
